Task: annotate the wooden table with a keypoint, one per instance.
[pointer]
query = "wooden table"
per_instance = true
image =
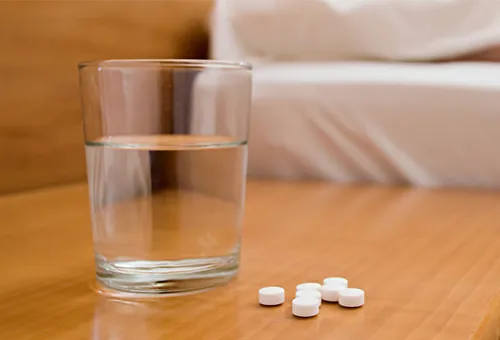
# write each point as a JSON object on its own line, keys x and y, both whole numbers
{"x": 429, "y": 262}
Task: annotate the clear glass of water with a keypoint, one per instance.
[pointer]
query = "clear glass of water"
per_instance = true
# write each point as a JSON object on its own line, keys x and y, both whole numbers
{"x": 166, "y": 150}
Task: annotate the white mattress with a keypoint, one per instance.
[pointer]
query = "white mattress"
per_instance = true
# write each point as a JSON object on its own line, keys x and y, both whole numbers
{"x": 423, "y": 124}
{"x": 327, "y": 30}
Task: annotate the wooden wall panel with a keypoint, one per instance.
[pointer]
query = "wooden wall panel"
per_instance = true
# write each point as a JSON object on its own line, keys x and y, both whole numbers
{"x": 41, "y": 43}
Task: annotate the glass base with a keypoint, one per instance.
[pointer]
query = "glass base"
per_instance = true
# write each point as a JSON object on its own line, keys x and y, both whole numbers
{"x": 154, "y": 278}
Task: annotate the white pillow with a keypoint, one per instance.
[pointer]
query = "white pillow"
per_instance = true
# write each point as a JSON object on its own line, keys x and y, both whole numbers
{"x": 364, "y": 29}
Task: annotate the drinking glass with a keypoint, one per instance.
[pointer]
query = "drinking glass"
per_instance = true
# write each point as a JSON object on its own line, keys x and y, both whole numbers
{"x": 166, "y": 151}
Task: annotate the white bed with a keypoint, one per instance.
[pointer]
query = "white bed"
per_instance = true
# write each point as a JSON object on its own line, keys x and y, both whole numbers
{"x": 424, "y": 124}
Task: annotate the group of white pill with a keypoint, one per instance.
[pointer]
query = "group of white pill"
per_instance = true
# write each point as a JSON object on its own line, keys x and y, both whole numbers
{"x": 309, "y": 295}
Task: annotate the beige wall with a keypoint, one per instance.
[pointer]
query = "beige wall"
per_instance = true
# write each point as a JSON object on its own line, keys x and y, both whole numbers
{"x": 41, "y": 43}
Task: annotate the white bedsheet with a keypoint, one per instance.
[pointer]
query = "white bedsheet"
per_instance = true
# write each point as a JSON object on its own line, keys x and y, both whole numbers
{"x": 427, "y": 125}
{"x": 307, "y": 30}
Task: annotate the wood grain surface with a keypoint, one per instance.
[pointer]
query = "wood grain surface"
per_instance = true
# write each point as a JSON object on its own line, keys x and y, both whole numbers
{"x": 429, "y": 262}
{"x": 41, "y": 42}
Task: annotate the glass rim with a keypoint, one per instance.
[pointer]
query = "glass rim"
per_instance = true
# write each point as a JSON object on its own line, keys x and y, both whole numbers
{"x": 173, "y": 63}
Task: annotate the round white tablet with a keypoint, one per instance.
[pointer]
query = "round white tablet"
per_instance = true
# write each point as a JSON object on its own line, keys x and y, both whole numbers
{"x": 352, "y": 297}
{"x": 309, "y": 294}
{"x": 336, "y": 280}
{"x": 331, "y": 292}
{"x": 271, "y": 296}
{"x": 305, "y": 307}
{"x": 309, "y": 286}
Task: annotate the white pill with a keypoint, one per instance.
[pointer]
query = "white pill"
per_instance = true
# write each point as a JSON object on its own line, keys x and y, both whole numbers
{"x": 271, "y": 296}
{"x": 331, "y": 292}
{"x": 352, "y": 297}
{"x": 309, "y": 294}
{"x": 305, "y": 307}
{"x": 309, "y": 286}
{"x": 336, "y": 280}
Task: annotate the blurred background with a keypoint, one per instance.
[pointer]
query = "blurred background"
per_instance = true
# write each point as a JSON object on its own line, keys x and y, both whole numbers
{"x": 384, "y": 91}
{"x": 41, "y": 43}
